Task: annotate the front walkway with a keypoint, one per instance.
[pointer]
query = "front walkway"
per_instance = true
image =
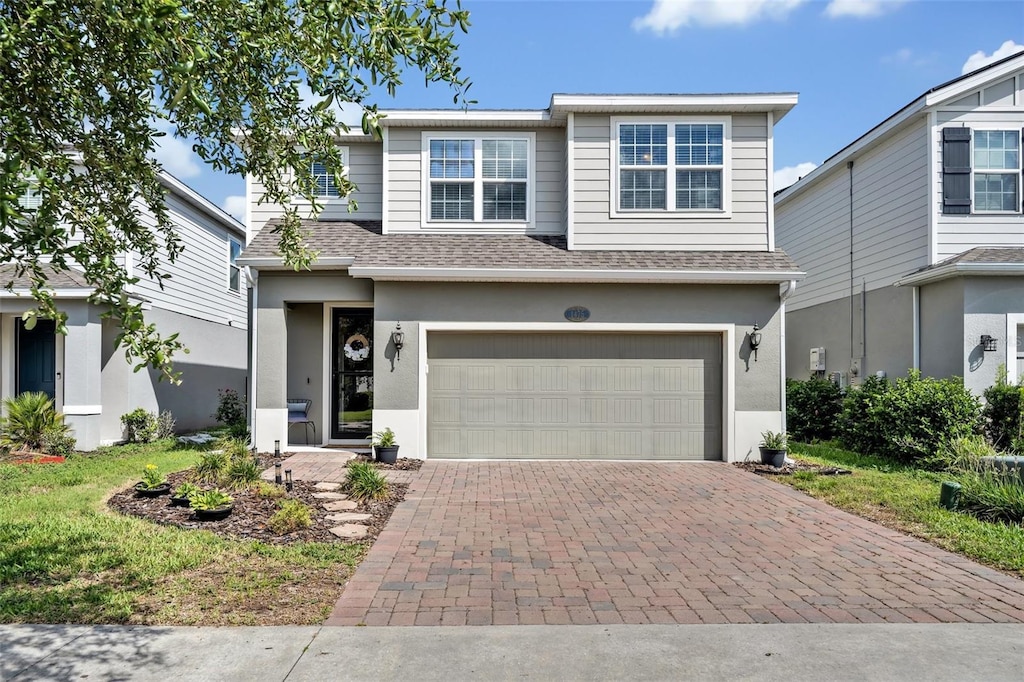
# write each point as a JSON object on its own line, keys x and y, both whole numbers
{"x": 509, "y": 543}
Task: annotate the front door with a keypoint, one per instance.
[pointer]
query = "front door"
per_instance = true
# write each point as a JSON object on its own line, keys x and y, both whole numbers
{"x": 351, "y": 373}
{"x": 37, "y": 358}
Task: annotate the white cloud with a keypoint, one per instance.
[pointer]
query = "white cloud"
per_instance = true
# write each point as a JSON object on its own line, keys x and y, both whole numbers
{"x": 980, "y": 59}
{"x": 235, "y": 205}
{"x": 861, "y": 9}
{"x": 175, "y": 154}
{"x": 907, "y": 57}
{"x": 667, "y": 16}
{"x": 784, "y": 177}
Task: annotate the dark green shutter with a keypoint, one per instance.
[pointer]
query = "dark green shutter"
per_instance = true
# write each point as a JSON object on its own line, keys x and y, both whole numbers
{"x": 956, "y": 171}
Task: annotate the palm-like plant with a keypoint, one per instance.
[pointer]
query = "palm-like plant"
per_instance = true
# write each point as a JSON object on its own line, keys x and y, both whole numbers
{"x": 29, "y": 417}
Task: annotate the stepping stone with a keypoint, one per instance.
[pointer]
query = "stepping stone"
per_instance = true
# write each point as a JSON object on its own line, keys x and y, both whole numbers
{"x": 341, "y": 505}
{"x": 197, "y": 439}
{"x": 330, "y": 496}
{"x": 324, "y": 485}
{"x": 350, "y": 531}
{"x": 348, "y": 517}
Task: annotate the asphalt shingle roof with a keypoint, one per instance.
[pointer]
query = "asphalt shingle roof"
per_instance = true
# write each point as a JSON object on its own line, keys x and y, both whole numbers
{"x": 58, "y": 279}
{"x": 982, "y": 255}
{"x": 363, "y": 241}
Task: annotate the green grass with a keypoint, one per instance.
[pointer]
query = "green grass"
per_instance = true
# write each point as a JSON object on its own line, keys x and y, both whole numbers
{"x": 66, "y": 558}
{"x": 907, "y": 499}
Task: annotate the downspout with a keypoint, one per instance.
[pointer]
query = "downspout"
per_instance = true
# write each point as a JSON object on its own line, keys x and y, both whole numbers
{"x": 252, "y": 278}
{"x": 916, "y": 291}
{"x": 849, "y": 167}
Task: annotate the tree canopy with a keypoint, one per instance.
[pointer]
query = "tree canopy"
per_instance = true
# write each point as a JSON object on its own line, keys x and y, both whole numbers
{"x": 86, "y": 84}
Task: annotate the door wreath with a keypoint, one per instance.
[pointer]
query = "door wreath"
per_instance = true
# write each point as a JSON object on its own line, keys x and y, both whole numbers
{"x": 357, "y": 348}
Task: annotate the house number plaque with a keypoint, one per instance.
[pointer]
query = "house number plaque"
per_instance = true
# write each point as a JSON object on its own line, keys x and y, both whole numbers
{"x": 577, "y": 313}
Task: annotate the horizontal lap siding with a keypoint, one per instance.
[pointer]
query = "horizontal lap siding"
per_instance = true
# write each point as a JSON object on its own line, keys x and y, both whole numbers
{"x": 405, "y": 180}
{"x": 365, "y": 169}
{"x": 745, "y": 230}
{"x": 956, "y": 234}
{"x": 198, "y": 286}
{"x": 890, "y": 221}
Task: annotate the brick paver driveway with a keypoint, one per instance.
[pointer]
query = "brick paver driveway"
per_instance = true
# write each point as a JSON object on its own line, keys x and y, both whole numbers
{"x": 595, "y": 542}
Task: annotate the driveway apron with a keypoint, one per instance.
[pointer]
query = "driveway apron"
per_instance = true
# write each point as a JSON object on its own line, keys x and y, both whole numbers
{"x": 509, "y": 543}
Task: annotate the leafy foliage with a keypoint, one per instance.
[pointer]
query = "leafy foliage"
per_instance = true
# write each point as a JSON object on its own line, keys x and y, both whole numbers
{"x": 960, "y": 454}
{"x": 57, "y": 440}
{"x": 152, "y": 477}
{"x": 910, "y": 419}
{"x": 812, "y": 409}
{"x": 252, "y": 85}
{"x": 364, "y": 482}
{"x": 210, "y": 499}
{"x": 165, "y": 424}
{"x": 1003, "y": 411}
{"x": 773, "y": 441}
{"x": 384, "y": 439}
{"x": 243, "y": 472}
{"x": 292, "y": 516}
{"x": 212, "y": 466}
{"x": 139, "y": 425}
{"x": 31, "y": 421}
{"x": 993, "y": 493}
{"x": 268, "y": 491}
{"x": 230, "y": 407}
{"x": 187, "y": 489}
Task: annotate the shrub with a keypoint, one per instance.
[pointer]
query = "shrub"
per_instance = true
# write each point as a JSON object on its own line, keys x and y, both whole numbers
{"x": 293, "y": 515}
{"x": 240, "y": 431}
{"x": 165, "y": 425}
{"x": 812, "y": 409}
{"x": 364, "y": 482}
{"x": 57, "y": 440}
{"x": 243, "y": 472}
{"x": 993, "y": 494}
{"x": 212, "y": 466}
{"x": 30, "y": 418}
{"x": 139, "y": 426}
{"x": 210, "y": 499}
{"x": 1002, "y": 411}
{"x": 187, "y": 489}
{"x": 268, "y": 491}
{"x": 960, "y": 454}
{"x": 230, "y": 407}
{"x": 152, "y": 478}
{"x": 910, "y": 419}
{"x": 234, "y": 448}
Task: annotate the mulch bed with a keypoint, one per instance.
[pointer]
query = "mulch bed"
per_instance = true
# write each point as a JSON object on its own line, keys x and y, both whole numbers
{"x": 27, "y": 457}
{"x": 403, "y": 463}
{"x": 248, "y": 520}
{"x": 789, "y": 469}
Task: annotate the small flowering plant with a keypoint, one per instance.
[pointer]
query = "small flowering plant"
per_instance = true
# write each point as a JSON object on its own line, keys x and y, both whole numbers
{"x": 152, "y": 478}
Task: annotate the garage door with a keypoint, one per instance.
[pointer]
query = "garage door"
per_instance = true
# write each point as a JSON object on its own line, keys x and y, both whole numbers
{"x": 564, "y": 395}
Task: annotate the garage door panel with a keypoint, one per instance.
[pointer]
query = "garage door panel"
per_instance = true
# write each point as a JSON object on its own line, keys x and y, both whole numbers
{"x": 608, "y": 395}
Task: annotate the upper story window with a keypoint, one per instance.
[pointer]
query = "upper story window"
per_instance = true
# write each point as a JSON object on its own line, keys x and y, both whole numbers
{"x": 234, "y": 271}
{"x": 31, "y": 198}
{"x": 981, "y": 171}
{"x": 323, "y": 178}
{"x": 675, "y": 165}
{"x": 478, "y": 178}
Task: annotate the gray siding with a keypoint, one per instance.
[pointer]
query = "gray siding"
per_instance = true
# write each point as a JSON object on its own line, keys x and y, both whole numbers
{"x": 405, "y": 180}
{"x": 365, "y": 169}
{"x": 890, "y": 221}
{"x": 746, "y": 229}
{"x": 198, "y": 283}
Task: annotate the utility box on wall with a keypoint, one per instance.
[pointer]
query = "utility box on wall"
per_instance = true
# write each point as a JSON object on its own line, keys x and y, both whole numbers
{"x": 817, "y": 360}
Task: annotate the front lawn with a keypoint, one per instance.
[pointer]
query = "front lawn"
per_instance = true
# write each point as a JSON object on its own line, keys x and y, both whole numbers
{"x": 906, "y": 499}
{"x": 66, "y": 558}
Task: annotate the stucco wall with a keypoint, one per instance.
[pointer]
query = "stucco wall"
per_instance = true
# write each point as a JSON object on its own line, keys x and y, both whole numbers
{"x": 942, "y": 328}
{"x": 306, "y": 371}
{"x": 987, "y": 300}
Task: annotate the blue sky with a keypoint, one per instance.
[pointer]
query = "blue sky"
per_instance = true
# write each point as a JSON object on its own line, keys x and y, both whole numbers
{"x": 853, "y": 62}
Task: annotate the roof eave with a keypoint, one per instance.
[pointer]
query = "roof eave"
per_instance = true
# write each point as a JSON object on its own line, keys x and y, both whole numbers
{"x": 277, "y": 263}
{"x": 961, "y": 270}
{"x": 574, "y": 275}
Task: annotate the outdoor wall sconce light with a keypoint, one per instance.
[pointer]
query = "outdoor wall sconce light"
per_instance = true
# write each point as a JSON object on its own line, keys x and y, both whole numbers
{"x": 754, "y": 338}
{"x": 988, "y": 343}
{"x": 398, "y": 338}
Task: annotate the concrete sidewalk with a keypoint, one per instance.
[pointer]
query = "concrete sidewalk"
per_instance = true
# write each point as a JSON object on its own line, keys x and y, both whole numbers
{"x": 591, "y": 652}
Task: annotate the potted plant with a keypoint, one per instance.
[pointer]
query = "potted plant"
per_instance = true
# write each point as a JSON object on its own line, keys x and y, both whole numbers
{"x": 212, "y": 505}
{"x": 773, "y": 448}
{"x": 153, "y": 483}
{"x": 384, "y": 446}
{"x": 182, "y": 496}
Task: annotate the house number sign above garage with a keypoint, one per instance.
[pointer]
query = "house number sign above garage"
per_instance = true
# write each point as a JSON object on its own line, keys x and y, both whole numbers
{"x": 577, "y": 313}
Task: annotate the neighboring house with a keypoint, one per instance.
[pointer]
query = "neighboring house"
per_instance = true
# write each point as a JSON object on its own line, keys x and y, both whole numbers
{"x": 204, "y": 301}
{"x": 572, "y": 282}
{"x": 912, "y": 238}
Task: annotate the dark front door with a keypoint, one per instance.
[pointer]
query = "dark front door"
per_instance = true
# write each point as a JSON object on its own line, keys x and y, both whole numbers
{"x": 37, "y": 358}
{"x": 351, "y": 372}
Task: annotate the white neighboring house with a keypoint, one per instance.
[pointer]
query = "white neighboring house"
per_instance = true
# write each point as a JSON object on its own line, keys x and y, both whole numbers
{"x": 912, "y": 237}
{"x": 579, "y": 281}
{"x": 204, "y": 301}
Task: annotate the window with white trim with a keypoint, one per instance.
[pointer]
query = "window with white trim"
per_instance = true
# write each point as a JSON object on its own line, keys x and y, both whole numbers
{"x": 324, "y": 180}
{"x": 31, "y": 198}
{"x": 478, "y": 178}
{"x": 997, "y": 170}
{"x": 234, "y": 271}
{"x": 671, "y": 166}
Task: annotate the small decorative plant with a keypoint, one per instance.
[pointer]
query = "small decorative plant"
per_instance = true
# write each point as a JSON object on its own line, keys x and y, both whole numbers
{"x": 30, "y": 420}
{"x": 152, "y": 478}
{"x": 139, "y": 425}
{"x": 244, "y": 473}
{"x": 364, "y": 482}
{"x": 774, "y": 441}
{"x": 230, "y": 407}
{"x": 211, "y": 500}
{"x": 212, "y": 466}
{"x": 384, "y": 439}
{"x": 293, "y": 515}
{"x": 187, "y": 489}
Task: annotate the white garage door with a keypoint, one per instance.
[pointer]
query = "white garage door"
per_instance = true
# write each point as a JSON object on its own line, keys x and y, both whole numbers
{"x": 565, "y": 395}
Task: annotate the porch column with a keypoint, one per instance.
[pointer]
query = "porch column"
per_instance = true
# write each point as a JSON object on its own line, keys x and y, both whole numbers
{"x": 270, "y": 375}
{"x": 83, "y": 397}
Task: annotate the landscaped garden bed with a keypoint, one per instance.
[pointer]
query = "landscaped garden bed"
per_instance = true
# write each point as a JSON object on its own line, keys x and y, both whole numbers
{"x": 791, "y": 468}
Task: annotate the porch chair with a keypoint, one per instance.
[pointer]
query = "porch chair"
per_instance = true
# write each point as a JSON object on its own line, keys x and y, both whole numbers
{"x": 298, "y": 413}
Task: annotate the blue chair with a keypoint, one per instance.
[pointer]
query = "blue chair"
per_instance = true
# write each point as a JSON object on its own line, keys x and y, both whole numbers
{"x": 298, "y": 413}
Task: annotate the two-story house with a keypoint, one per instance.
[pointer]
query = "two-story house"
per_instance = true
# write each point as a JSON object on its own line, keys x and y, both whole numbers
{"x": 580, "y": 281}
{"x": 203, "y": 300}
{"x": 913, "y": 240}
